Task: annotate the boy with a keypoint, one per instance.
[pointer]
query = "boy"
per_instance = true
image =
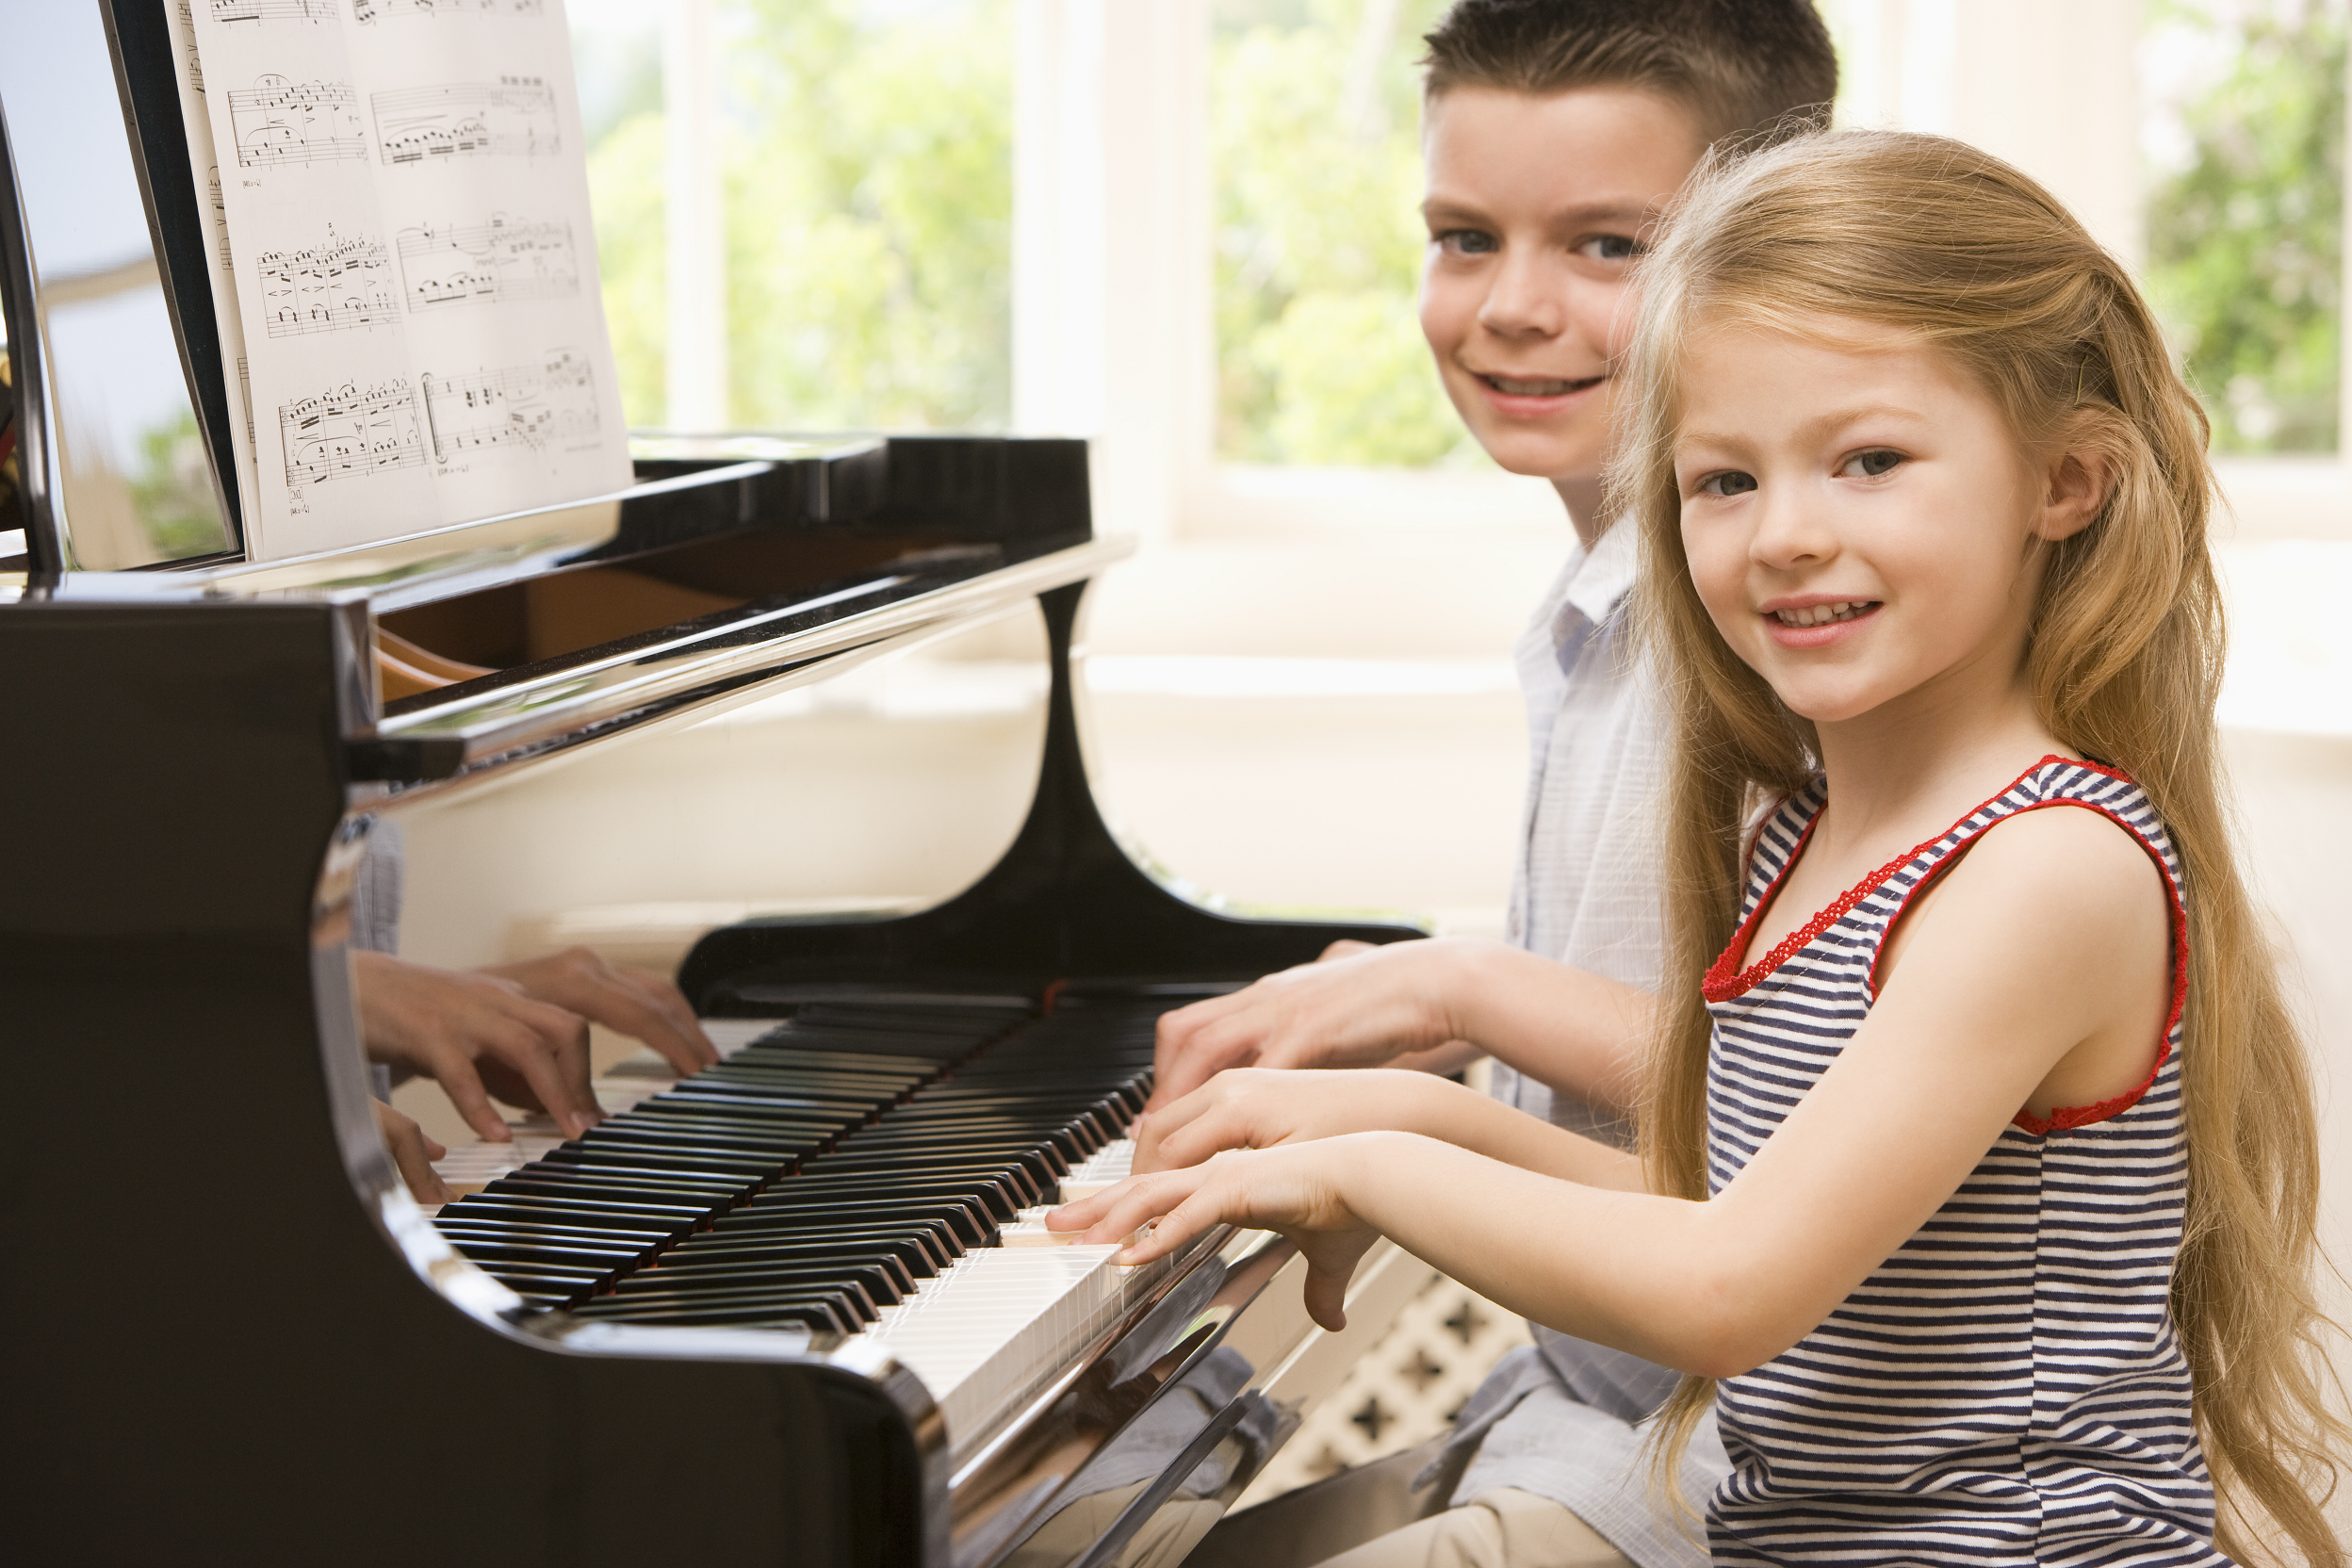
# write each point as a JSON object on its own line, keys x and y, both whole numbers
{"x": 1556, "y": 132}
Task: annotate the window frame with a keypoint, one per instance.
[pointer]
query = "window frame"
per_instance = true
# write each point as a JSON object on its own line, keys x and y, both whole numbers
{"x": 1114, "y": 327}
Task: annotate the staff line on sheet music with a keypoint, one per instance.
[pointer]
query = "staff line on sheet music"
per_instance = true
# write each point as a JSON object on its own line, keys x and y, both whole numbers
{"x": 513, "y": 117}
{"x": 350, "y": 434}
{"x": 369, "y": 10}
{"x": 334, "y": 285}
{"x": 526, "y": 405}
{"x": 505, "y": 258}
{"x": 227, "y": 11}
{"x": 277, "y": 121}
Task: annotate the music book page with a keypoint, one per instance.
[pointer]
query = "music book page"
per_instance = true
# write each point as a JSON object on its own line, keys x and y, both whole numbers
{"x": 403, "y": 194}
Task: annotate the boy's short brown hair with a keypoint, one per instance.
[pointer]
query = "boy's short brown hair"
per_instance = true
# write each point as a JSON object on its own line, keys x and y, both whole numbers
{"x": 1744, "y": 68}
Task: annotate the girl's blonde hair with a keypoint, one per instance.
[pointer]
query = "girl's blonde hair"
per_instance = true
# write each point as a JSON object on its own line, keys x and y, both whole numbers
{"x": 1949, "y": 246}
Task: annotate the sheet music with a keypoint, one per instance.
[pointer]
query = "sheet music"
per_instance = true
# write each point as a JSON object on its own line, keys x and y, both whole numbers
{"x": 411, "y": 258}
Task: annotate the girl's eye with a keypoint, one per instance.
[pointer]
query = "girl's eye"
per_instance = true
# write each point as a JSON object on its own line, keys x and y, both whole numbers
{"x": 1469, "y": 242}
{"x": 1729, "y": 483}
{"x": 1611, "y": 247}
{"x": 1871, "y": 464}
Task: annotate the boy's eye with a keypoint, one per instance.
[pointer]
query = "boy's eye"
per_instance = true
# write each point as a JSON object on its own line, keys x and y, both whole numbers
{"x": 1469, "y": 242}
{"x": 1871, "y": 464}
{"x": 1611, "y": 247}
{"x": 1729, "y": 483}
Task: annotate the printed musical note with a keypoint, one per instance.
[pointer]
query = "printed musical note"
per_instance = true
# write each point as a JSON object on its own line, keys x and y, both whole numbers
{"x": 325, "y": 288}
{"x": 219, "y": 216}
{"x": 507, "y": 258}
{"x": 278, "y": 122}
{"x": 552, "y": 402}
{"x": 350, "y": 434}
{"x": 274, "y": 10}
{"x": 514, "y": 116}
{"x": 367, "y": 10}
{"x": 187, "y": 13}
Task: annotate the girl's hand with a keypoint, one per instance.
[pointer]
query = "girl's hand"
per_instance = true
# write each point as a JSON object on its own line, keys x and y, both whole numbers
{"x": 1294, "y": 1190}
{"x": 413, "y": 1153}
{"x": 1358, "y": 1006}
{"x": 1261, "y": 1108}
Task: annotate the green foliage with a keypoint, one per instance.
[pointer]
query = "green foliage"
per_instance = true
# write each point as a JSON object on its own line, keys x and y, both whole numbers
{"x": 2245, "y": 257}
{"x": 868, "y": 185}
{"x": 172, "y": 491}
{"x": 1316, "y": 116}
{"x": 625, "y": 180}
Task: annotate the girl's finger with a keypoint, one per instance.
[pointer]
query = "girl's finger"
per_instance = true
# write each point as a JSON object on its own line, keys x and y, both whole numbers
{"x": 1214, "y": 1130}
{"x": 1327, "y": 1298}
{"x": 1187, "y": 1220}
{"x": 1138, "y": 1201}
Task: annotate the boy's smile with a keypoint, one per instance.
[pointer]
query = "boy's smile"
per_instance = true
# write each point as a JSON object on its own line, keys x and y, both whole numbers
{"x": 1536, "y": 207}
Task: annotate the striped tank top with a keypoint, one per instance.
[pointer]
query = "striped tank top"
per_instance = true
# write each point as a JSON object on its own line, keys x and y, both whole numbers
{"x": 2007, "y": 1388}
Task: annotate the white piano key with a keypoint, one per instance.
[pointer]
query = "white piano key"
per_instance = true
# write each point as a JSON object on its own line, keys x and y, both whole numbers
{"x": 1106, "y": 1168}
{"x": 989, "y": 1331}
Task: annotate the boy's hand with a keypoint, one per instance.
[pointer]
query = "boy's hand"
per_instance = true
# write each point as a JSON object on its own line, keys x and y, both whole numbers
{"x": 1358, "y": 1006}
{"x": 413, "y": 1153}
{"x": 642, "y": 1005}
{"x": 1295, "y": 1190}
{"x": 476, "y": 1036}
{"x": 1261, "y": 1108}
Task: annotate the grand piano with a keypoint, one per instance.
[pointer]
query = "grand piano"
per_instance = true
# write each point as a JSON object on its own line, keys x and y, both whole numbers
{"x": 773, "y": 1314}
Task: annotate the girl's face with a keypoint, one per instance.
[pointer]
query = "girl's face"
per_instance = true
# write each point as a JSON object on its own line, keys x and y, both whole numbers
{"x": 1857, "y": 516}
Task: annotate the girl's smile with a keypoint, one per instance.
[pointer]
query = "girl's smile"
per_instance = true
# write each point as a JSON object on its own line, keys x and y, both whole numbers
{"x": 1860, "y": 520}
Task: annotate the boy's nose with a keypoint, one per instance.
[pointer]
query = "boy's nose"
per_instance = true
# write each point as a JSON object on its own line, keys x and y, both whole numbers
{"x": 1524, "y": 300}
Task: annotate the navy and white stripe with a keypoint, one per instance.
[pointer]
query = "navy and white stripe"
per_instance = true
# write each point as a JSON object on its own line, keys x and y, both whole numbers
{"x": 2008, "y": 1387}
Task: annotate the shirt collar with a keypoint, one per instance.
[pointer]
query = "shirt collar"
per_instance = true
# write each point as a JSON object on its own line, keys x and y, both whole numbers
{"x": 1605, "y": 576}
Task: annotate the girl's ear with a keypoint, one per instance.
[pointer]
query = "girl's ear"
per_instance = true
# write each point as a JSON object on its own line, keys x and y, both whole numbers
{"x": 2075, "y": 489}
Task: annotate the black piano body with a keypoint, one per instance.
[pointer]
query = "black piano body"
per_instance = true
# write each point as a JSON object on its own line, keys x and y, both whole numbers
{"x": 224, "y": 1345}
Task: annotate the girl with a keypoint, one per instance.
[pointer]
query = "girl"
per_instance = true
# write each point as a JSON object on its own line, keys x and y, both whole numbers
{"x": 1980, "y": 1171}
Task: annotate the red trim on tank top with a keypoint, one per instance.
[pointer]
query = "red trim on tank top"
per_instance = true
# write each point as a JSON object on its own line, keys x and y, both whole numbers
{"x": 1723, "y": 982}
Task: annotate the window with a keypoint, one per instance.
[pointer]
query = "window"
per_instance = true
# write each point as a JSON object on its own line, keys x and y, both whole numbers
{"x": 803, "y": 209}
{"x": 2244, "y": 139}
{"x": 1316, "y": 110}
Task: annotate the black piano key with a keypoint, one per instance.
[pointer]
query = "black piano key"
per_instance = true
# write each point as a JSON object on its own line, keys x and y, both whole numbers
{"x": 683, "y": 1263}
{"x": 971, "y": 1226}
{"x": 869, "y": 1286}
{"x": 823, "y": 1313}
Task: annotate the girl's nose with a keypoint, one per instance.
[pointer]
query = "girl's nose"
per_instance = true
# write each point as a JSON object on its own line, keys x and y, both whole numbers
{"x": 1788, "y": 532}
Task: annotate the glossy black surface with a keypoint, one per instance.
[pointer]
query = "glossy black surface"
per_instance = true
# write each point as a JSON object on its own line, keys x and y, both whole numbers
{"x": 257, "y": 1356}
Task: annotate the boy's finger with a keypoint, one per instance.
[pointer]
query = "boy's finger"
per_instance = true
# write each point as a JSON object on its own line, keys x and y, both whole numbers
{"x": 463, "y": 1085}
{"x": 1175, "y": 1041}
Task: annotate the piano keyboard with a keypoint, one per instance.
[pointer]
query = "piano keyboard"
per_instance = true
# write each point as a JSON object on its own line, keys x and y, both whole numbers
{"x": 850, "y": 1173}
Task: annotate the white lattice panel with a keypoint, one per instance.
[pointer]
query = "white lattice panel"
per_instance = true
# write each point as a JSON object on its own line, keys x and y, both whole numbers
{"x": 1405, "y": 1391}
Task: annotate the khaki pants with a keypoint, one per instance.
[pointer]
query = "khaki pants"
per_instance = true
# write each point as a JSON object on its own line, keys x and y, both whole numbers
{"x": 1372, "y": 1517}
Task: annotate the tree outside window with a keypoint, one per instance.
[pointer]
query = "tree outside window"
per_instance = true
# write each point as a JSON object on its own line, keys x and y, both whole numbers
{"x": 867, "y": 154}
{"x": 2245, "y": 144}
{"x": 1316, "y": 111}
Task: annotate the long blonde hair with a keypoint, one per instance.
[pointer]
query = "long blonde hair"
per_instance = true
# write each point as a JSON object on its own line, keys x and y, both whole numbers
{"x": 1956, "y": 249}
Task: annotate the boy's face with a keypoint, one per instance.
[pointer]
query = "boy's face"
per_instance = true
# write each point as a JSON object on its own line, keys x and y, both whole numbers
{"x": 1536, "y": 207}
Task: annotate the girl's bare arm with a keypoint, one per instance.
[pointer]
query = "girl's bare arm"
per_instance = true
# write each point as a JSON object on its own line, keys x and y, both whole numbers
{"x": 2038, "y": 973}
{"x": 1574, "y": 1031}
